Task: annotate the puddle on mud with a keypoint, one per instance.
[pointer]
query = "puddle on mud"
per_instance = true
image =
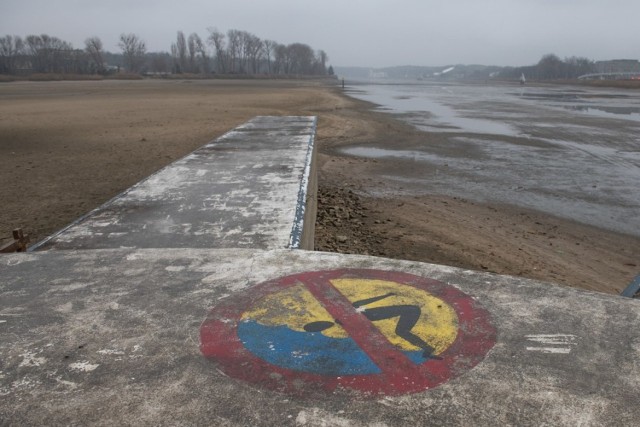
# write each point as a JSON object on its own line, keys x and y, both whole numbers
{"x": 627, "y": 113}
{"x": 557, "y": 97}
{"x": 565, "y": 95}
{"x": 469, "y": 125}
{"x": 428, "y": 115}
{"x": 379, "y": 153}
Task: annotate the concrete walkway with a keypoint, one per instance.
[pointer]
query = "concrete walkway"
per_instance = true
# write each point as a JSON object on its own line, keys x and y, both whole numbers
{"x": 239, "y": 191}
{"x": 112, "y": 337}
{"x": 202, "y": 318}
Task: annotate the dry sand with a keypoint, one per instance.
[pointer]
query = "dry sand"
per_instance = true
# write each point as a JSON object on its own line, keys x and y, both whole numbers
{"x": 67, "y": 147}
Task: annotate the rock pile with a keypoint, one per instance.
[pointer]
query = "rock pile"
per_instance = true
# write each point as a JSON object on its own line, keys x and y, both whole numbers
{"x": 344, "y": 224}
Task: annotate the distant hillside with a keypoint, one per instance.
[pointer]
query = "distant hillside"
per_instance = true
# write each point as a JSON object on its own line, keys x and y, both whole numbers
{"x": 413, "y": 72}
{"x": 550, "y": 67}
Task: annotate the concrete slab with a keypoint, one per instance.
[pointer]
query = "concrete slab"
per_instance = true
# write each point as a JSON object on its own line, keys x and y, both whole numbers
{"x": 113, "y": 337}
{"x": 246, "y": 189}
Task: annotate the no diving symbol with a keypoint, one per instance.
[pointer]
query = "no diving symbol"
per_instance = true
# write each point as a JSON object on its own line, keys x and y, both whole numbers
{"x": 371, "y": 331}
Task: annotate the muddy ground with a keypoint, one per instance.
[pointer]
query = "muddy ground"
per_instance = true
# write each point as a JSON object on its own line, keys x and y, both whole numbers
{"x": 67, "y": 147}
{"x": 362, "y": 212}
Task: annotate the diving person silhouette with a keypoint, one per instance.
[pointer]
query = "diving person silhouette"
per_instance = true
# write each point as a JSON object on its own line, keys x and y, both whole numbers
{"x": 408, "y": 316}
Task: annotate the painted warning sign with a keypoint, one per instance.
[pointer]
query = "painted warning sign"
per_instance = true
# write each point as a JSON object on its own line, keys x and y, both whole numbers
{"x": 376, "y": 332}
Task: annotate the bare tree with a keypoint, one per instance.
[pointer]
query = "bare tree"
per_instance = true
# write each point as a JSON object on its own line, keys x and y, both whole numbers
{"x": 269, "y": 45}
{"x": 179, "y": 51}
{"x": 201, "y": 51}
{"x": 322, "y": 62}
{"x": 253, "y": 50}
{"x": 159, "y": 62}
{"x": 175, "y": 60}
{"x": 235, "y": 52}
{"x": 217, "y": 39}
{"x": 234, "y": 48}
{"x": 301, "y": 59}
{"x": 48, "y": 54}
{"x": 246, "y": 53}
{"x": 243, "y": 52}
{"x": 550, "y": 66}
{"x": 11, "y": 49}
{"x": 93, "y": 46}
{"x": 33, "y": 48}
{"x": 578, "y": 66}
{"x": 281, "y": 59}
{"x": 193, "y": 52}
{"x": 133, "y": 50}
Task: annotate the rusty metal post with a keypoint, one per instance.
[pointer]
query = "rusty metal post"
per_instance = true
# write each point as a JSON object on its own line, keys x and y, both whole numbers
{"x": 19, "y": 243}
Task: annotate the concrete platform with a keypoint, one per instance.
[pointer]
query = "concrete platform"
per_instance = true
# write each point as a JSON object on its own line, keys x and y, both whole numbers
{"x": 246, "y": 189}
{"x": 113, "y": 337}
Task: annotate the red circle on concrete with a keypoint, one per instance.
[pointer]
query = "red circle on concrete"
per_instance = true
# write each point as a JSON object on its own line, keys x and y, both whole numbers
{"x": 219, "y": 339}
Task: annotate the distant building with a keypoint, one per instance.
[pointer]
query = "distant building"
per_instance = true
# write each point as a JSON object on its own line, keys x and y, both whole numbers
{"x": 373, "y": 74}
{"x": 618, "y": 66}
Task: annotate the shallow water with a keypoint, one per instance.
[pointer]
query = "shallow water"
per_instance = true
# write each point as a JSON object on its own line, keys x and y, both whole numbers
{"x": 568, "y": 151}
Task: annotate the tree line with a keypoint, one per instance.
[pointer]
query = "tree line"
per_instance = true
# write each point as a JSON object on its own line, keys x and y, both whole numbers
{"x": 233, "y": 52}
{"x": 551, "y": 67}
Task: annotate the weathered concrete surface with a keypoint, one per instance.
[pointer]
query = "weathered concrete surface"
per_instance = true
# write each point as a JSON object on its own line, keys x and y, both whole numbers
{"x": 246, "y": 189}
{"x": 111, "y": 337}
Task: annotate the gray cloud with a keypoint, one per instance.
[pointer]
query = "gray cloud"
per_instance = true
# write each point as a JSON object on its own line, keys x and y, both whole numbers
{"x": 357, "y": 32}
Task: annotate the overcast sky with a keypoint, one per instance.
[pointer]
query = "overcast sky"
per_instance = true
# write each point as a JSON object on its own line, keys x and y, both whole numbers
{"x": 372, "y": 33}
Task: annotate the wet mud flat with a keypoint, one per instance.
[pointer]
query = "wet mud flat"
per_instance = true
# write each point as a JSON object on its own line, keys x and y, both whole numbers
{"x": 535, "y": 181}
{"x": 568, "y": 152}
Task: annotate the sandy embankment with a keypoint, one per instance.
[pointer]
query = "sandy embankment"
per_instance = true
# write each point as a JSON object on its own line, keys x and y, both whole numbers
{"x": 67, "y": 147}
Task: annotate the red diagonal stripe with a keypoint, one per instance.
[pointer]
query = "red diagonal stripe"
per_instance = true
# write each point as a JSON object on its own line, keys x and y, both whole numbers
{"x": 391, "y": 361}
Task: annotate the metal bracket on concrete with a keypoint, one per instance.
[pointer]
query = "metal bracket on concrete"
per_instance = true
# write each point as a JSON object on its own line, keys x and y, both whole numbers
{"x": 632, "y": 290}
